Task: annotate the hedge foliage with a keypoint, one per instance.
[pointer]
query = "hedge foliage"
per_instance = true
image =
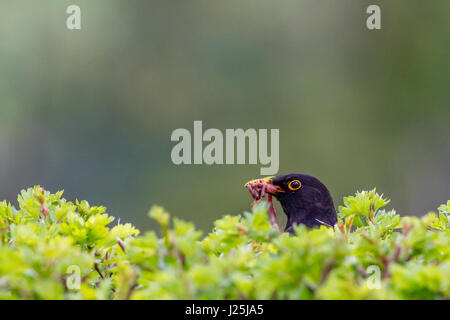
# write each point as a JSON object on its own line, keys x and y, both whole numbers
{"x": 51, "y": 248}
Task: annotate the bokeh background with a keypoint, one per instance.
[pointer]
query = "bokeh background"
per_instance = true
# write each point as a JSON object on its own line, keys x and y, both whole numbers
{"x": 91, "y": 111}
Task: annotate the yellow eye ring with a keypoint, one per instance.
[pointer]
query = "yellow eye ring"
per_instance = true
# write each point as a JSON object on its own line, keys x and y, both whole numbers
{"x": 295, "y": 185}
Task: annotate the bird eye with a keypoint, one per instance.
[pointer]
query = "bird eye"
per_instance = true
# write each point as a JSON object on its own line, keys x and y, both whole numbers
{"x": 294, "y": 185}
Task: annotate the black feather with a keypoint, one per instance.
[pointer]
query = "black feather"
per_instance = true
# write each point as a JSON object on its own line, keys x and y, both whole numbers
{"x": 311, "y": 205}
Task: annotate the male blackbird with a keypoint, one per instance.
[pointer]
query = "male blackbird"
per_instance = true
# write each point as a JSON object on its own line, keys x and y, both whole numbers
{"x": 305, "y": 200}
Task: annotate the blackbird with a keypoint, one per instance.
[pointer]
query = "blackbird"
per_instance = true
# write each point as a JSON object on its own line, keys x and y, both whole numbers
{"x": 304, "y": 199}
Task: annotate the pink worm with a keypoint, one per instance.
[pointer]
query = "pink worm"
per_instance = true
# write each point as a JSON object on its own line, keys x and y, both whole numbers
{"x": 258, "y": 191}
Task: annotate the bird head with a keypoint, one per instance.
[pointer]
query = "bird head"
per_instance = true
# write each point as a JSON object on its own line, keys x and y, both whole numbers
{"x": 304, "y": 199}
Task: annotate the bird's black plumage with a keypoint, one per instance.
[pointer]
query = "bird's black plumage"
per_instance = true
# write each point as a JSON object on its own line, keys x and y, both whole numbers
{"x": 311, "y": 204}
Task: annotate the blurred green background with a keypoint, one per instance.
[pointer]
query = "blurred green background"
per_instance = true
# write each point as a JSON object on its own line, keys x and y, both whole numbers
{"x": 91, "y": 111}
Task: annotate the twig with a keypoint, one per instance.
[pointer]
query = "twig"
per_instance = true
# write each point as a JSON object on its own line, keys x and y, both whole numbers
{"x": 98, "y": 270}
{"x": 326, "y": 271}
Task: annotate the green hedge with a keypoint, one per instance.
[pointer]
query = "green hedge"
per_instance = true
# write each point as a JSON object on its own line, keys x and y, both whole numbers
{"x": 54, "y": 249}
